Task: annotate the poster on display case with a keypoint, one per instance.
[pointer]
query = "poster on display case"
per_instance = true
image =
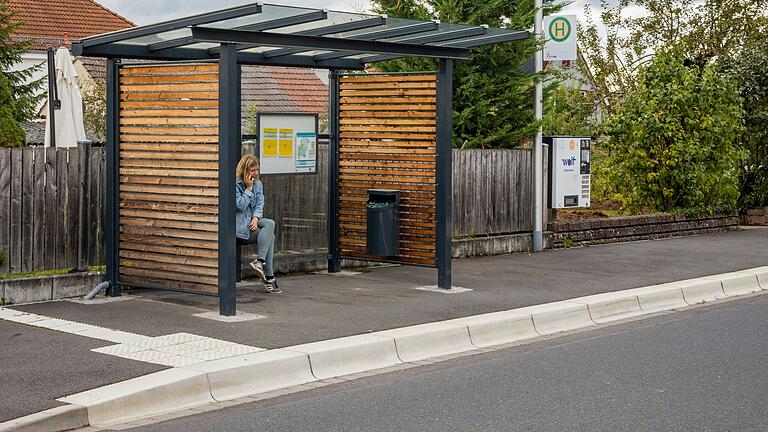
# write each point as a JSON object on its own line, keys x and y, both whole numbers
{"x": 287, "y": 143}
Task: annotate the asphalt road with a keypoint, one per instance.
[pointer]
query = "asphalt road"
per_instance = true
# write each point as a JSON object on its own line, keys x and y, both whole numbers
{"x": 703, "y": 369}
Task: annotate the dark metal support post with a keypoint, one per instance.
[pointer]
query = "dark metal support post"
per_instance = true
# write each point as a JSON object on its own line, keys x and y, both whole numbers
{"x": 334, "y": 262}
{"x": 229, "y": 149}
{"x": 52, "y": 97}
{"x": 444, "y": 171}
{"x": 112, "y": 211}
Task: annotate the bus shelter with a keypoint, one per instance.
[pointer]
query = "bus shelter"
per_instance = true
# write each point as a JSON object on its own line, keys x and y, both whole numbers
{"x": 174, "y": 138}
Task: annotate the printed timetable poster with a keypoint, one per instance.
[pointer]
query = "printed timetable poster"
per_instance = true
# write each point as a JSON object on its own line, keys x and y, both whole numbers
{"x": 287, "y": 143}
{"x": 269, "y": 146}
{"x": 306, "y": 151}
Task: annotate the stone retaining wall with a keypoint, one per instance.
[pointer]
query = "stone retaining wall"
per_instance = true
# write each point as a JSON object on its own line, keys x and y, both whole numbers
{"x": 45, "y": 288}
{"x": 631, "y": 228}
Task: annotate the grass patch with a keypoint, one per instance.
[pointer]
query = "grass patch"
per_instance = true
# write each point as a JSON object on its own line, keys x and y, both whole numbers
{"x": 40, "y": 273}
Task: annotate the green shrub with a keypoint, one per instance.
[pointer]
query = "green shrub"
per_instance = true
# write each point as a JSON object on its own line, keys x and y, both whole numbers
{"x": 673, "y": 142}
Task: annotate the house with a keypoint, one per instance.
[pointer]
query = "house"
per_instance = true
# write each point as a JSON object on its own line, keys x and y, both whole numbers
{"x": 51, "y": 25}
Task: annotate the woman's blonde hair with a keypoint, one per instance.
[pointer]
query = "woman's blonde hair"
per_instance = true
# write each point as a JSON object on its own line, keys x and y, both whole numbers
{"x": 246, "y": 163}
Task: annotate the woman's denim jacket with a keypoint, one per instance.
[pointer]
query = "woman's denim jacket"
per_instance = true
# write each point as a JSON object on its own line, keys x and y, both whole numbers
{"x": 249, "y": 204}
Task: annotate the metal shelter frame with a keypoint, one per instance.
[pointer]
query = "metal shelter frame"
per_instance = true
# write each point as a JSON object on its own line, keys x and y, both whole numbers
{"x": 264, "y": 34}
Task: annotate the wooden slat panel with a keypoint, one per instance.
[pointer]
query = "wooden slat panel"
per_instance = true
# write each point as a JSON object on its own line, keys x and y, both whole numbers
{"x": 154, "y": 163}
{"x": 399, "y": 129}
{"x": 168, "y": 113}
{"x": 170, "y": 181}
{"x": 378, "y": 143}
{"x": 175, "y": 147}
{"x": 169, "y": 173}
{"x": 164, "y": 79}
{"x": 386, "y": 121}
{"x": 349, "y": 85}
{"x": 169, "y": 155}
{"x": 386, "y": 177}
{"x": 388, "y": 126}
{"x": 387, "y": 114}
{"x": 150, "y": 214}
{"x": 393, "y": 92}
{"x": 395, "y": 165}
{"x": 168, "y": 139}
{"x": 181, "y": 104}
{"x": 161, "y": 274}
{"x": 167, "y": 198}
{"x": 165, "y": 232}
{"x": 388, "y": 150}
{"x": 170, "y": 250}
{"x": 389, "y": 108}
{"x": 168, "y": 190}
{"x": 388, "y": 171}
{"x": 168, "y": 70}
{"x": 389, "y": 100}
{"x": 170, "y": 258}
{"x": 170, "y": 284}
{"x": 169, "y": 121}
{"x": 165, "y": 87}
{"x": 184, "y": 130}
{"x": 169, "y": 241}
{"x": 191, "y": 270}
{"x": 387, "y": 78}
{"x": 161, "y": 206}
{"x": 392, "y": 157}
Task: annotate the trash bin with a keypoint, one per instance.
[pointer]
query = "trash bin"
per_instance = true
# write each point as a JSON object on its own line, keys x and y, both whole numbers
{"x": 383, "y": 222}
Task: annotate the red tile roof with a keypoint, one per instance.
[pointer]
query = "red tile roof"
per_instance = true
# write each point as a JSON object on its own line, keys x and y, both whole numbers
{"x": 278, "y": 89}
{"x": 47, "y": 22}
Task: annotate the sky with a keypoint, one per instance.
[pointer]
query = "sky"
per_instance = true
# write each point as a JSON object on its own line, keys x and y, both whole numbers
{"x": 151, "y": 11}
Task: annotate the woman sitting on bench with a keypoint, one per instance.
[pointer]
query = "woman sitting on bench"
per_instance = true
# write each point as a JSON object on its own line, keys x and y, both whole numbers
{"x": 251, "y": 226}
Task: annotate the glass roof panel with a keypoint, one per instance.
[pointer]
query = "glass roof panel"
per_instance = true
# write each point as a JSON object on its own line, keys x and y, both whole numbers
{"x": 334, "y": 18}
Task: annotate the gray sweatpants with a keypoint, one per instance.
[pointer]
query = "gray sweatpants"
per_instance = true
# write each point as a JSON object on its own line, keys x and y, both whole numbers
{"x": 264, "y": 237}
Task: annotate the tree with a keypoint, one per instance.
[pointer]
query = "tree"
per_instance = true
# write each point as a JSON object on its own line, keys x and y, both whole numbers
{"x": 569, "y": 111}
{"x": 493, "y": 95}
{"x": 751, "y": 69}
{"x": 24, "y": 90}
{"x": 11, "y": 134}
{"x": 705, "y": 32}
{"x": 673, "y": 141}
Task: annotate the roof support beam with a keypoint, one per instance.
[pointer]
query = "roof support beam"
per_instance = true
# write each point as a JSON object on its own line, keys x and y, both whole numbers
{"x": 317, "y": 15}
{"x": 181, "y": 54}
{"x": 323, "y": 43}
{"x": 463, "y": 43}
{"x": 201, "y": 19}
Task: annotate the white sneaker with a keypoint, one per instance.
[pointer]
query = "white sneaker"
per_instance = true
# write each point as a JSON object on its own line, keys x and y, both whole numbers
{"x": 258, "y": 266}
{"x": 271, "y": 285}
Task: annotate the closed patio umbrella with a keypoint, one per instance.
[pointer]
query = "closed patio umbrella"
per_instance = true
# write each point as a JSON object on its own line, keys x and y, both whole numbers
{"x": 68, "y": 119}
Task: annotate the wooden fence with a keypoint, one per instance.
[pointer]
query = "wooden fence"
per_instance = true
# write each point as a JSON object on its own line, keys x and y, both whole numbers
{"x": 492, "y": 194}
{"x": 39, "y": 199}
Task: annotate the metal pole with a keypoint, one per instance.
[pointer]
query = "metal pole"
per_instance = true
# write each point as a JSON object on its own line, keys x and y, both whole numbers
{"x": 52, "y": 97}
{"x": 537, "y": 156}
{"x": 444, "y": 172}
{"x": 84, "y": 148}
{"x": 334, "y": 263}
{"x": 112, "y": 211}
{"x": 229, "y": 149}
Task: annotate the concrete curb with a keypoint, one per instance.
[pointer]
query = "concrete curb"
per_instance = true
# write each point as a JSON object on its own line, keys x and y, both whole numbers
{"x": 55, "y": 419}
{"x": 235, "y": 377}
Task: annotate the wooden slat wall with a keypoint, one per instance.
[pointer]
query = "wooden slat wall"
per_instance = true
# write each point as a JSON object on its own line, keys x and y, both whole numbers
{"x": 169, "y": 176}
{"x": 388, "y": 141}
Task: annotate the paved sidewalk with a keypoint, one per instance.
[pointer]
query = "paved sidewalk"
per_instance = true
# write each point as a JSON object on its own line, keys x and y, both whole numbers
{"x": 319, "y": 307}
